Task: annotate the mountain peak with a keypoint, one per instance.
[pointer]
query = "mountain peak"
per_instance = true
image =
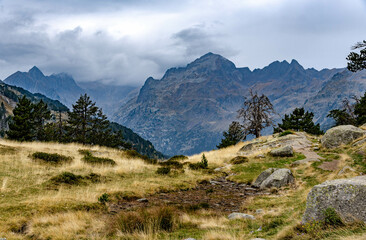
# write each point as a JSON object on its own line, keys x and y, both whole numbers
{"x": 35, "y": 72}
{"x": 211, "y": 61}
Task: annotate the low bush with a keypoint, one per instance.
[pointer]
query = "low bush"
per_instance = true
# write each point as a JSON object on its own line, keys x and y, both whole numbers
{"x": 163, "y": 170}
{"x": 284, "y": 133}
{"x": 146, "y": 220}
{"x": 67, "y": 178}
{"x": 90, "y": 159}
{"x": 239, "y": 160}
{"x": 104, "y": 198}
{"x": 178, "y": 157}
{"x": 135, "y": 154}
{"x": 172, "y": 164}
{"x": 200, "y": 165}
{"x": 52, "y": 158}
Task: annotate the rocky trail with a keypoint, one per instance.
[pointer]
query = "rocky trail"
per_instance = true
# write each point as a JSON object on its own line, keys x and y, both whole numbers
{"x": 220, "y": 195}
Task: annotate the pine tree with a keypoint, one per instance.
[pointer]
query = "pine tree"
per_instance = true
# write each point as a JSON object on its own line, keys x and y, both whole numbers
{"x": 21, "y": 127}
{"x": 41, "y": 114}
{"x": 232, "y": 136}
{"x": 360, "y": 110}
{"x": 357, "y": 61}
{"x": 299, "y": 120}
{"x": 81, "y": 119}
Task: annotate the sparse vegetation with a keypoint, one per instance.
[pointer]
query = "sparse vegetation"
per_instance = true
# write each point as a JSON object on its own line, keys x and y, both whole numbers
{"x": 52, "y": 158}
{"x": 239, "y": 160}
{"x": 90, "y": 159}
{"x": 163, "y": 170}
{"x": 200, "y": 165}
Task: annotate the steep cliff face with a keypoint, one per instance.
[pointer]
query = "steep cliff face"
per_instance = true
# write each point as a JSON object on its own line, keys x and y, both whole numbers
{"x": 187, "y": 110}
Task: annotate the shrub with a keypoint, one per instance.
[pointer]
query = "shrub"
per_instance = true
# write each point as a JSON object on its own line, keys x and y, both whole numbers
{"x": 53, "y": 158}
{"x": 135, "y": 154}
{"x": 104, "y": 198}
{"x": 67, "y": 178}
{"x": 172, "y": 164}
{"x": 146, "y": 220}
{"x": 200, "y": 165}
{"x": 284, "y": 133}
{"x": 238, "y": 160}
{"x": 178, "y": 157}
{"x": 90, "y": 159}
{"x": 163, "y": 170}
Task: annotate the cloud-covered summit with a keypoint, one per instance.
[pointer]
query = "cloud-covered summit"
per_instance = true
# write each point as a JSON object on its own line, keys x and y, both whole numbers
{"x": 126, "y": 41}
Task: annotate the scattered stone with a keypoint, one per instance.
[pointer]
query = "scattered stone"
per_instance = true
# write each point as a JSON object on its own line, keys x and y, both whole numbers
{"x": 339, "y": 135}
{"x": 142, "y": 200}
{"x": 279, "y": 178}
{"x": 346, "y": 196}
{"x": 286, "y": 151}
{"x": 263, "y": 176}
{"x": 346, "y": 169}
{"x": 237, "y": 215}
{"x": 260, "y": 156}
{"x": 257, "y": 239}
{"x": 190, "y": 239}
{"x": 316, "y": 148}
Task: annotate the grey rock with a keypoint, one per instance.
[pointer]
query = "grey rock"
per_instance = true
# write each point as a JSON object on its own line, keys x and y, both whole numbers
{"x": 263, "y": 176}
{"x": 257, "y": 239}
{"x": 190, "y": 239}
{"x": 346, "y": 196}
{"x": 304, "y": 161}
{"x": 237, "y": 215}
{"x": 142, "y": 200}
{"x": 339, "y": 135}
{"x": 279, "y": 178}
{"x": 286, "y": 151}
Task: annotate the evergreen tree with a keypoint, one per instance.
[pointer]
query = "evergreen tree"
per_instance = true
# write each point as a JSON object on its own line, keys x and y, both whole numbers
{"x": 232, "y": 136}
{"x": 299, "y": 120}
{"x": 357, "y": 61}
{"x": 341, "y": 117}
{"x": 21, "y": 127}
{"x": 81, "y": 119}
{"x": 41, "y": 114}
{"x": 360, "y": 110}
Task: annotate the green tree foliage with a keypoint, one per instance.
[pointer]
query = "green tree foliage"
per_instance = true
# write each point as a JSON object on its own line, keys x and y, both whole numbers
{"x": 357, "y": 61}
{"x": 341, "y": 117}
{"x": 299, "y": 120}
{"x": 28, "y": 121}
{"x": 88, "y": 125}
{"x": 21, "y": 126}
{"x": 360, "y": 110}
{"x": 232, "y": 136}
{"x": 256, "y": 114}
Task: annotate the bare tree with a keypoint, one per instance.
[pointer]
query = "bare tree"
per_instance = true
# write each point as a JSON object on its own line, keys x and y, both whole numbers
{"x": 256, "y": 114}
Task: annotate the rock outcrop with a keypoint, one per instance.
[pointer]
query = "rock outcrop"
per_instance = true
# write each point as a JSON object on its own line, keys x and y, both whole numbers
{"x": 286, "y": 151}
{"x": 236, "y": 215}
{"x": 274, "y": 177}
{"x": 339, "y": 135}
{"x": 346, "y": 196}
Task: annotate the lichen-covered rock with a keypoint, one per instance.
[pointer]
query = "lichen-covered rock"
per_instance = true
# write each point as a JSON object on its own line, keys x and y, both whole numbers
{"x": 339, "y": 135}
{"x": 346, "y": 196}
{"x": 279, "y": 178}
{"x": 286, "y": 151}
{"x": 237, "y": 215}
{"x": 239, "y": 160}
{"x": 263, "y": 176}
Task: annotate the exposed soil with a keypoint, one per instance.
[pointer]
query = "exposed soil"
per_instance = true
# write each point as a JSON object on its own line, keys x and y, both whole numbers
{"x": 219, "y": 195}
{"x": 330, "y": 166}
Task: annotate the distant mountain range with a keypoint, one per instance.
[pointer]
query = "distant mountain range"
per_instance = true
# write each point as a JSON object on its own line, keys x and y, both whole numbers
{"x": 64, "y": 88}
{"x": 187, "y": 110}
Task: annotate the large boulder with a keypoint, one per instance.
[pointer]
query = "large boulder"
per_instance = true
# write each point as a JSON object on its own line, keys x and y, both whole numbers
{"x": 286, "y": 151}
{"x": 274, "y": 177}
{"x": 263, "y": 176}
{"x": 339, "y": 135}
{"x": 346, "y": 196}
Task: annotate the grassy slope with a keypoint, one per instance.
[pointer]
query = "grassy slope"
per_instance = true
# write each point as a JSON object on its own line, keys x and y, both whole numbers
{"x": 31, "y": 208}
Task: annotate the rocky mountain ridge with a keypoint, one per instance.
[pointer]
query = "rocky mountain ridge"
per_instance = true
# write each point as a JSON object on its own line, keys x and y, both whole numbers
{"x": 186, "y": 111}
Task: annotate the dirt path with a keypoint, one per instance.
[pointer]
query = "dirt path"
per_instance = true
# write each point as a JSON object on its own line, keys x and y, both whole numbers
{"x": 219, "y": 195}
{"x": 304, "y": 146}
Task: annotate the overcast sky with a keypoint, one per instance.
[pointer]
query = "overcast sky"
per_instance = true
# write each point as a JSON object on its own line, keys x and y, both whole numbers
{"x": 127, "y": 41}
